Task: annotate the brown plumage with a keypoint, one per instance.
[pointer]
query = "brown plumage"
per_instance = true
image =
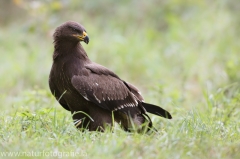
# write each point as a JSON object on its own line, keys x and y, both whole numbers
{"x": 95, "y": 95}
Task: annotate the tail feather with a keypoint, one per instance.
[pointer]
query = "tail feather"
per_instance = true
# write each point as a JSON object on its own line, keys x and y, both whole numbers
{"x": 156, "y": 110}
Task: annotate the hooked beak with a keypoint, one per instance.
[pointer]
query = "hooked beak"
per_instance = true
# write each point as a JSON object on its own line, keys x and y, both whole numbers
{"x": 84, "y": 37}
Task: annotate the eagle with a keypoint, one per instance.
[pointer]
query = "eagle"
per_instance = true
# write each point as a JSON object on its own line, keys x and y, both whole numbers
{"x": 95, "y": 96}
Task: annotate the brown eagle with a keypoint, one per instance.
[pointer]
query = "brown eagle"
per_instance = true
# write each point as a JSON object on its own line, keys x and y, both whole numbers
{"x": 96, "y": 96}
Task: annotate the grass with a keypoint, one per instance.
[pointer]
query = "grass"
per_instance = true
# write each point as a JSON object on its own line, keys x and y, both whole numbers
{"x": 184, "y": 56}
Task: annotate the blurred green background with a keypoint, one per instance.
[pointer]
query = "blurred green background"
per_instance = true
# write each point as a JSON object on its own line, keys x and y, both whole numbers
{"x": 170, "y": 49}
{"x": 182, "y": 54}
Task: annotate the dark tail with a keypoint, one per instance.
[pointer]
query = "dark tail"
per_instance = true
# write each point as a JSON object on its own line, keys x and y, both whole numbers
{"x": 156, "y": 110}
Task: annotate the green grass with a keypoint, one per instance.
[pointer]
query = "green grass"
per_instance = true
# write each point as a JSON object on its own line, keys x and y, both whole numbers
{"x": 183, "y": 55}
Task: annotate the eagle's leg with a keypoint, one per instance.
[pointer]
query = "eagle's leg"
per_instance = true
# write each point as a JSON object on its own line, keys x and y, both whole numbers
{"x": 133, "y": 123}
{"x": 81, "y": 120}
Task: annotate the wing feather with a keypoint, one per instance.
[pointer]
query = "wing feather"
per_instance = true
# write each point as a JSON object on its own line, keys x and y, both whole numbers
{"x": 106, "y": 91}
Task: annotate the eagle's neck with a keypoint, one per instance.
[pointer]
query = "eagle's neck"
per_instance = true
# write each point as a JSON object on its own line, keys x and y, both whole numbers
{"x": 69, "y": 49}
